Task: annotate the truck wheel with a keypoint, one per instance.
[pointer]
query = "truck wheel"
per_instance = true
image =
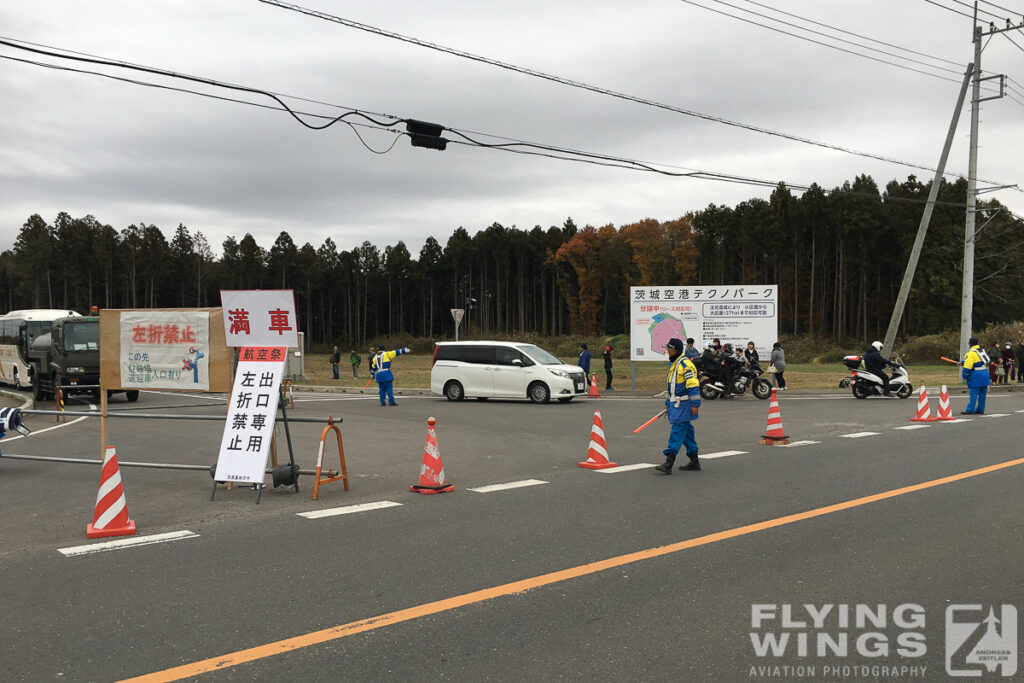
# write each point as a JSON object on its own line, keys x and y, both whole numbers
{"x": 132, "y": 395}
{"x": 37, "y": 389}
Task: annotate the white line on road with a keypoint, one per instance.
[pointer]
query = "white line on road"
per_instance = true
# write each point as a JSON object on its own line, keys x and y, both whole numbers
{"x": 126, "y": 543}
{"x": 56, "y": 426}
{"x": 858, "y": 435}
{"x": 998, "y": 415}
{"x": 956, "y": 421}
{"x": 626, "y": 468}
{"x": 349, "y": 509}
{"x": 793, "y": 444}
{"x": 1019, "y": 411}
{"x": 721, "y": 454}
{"x": 909, "y": 427}
{"x": 509, "y": 485}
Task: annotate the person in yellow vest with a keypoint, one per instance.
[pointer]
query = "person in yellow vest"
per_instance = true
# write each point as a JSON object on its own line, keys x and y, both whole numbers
{"x": 682, "y": 404}
{"x": 380, "y": 369}
{"x": 975, "y": 372}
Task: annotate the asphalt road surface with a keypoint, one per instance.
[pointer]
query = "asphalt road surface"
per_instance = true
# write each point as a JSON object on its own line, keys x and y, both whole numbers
{"x": 571, "y": 574}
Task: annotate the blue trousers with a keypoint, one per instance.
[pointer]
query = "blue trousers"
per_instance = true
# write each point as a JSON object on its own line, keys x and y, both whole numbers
{"x": 977, "y": 402}
{"x": 682, "y": 434}
{"x": 334, "y": 368}
{"x": 384, "y": 389}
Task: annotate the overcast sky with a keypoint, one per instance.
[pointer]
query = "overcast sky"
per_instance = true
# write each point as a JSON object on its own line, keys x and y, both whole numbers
{"x": 129, "y": 154}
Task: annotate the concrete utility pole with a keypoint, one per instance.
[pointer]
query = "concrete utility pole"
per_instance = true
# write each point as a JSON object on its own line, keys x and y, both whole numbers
{"x": 926, "y": 217}
{"x": 967, "y": 303}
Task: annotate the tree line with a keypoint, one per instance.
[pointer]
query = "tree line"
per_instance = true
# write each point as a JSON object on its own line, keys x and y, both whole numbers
{"x": 837, "y": 255}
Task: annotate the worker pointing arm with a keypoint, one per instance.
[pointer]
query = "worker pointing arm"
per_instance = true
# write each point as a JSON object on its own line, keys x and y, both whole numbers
{"x": 380, "y": 369}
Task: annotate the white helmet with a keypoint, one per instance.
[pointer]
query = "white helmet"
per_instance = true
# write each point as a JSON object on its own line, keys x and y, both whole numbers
{"x": 877, "y": 345}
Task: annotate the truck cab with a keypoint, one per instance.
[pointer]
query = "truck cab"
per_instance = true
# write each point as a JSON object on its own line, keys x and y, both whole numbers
{"x": 68, "y": 356}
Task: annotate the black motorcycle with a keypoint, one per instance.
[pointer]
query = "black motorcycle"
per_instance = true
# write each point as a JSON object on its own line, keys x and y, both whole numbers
{"x": 745, "y": 375}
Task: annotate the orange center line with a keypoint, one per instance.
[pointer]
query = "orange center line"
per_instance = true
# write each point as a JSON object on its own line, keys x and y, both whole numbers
{"x": 334, "y": 633}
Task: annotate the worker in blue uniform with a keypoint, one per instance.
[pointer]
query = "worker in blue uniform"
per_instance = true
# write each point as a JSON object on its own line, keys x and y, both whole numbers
{"x": 380, "y": 370}
{"x": 975, "y": 372}
{"x": 682, "y": 405}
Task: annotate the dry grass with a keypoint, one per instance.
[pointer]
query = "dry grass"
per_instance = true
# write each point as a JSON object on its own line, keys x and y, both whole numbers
{"x": 413, "y": 371}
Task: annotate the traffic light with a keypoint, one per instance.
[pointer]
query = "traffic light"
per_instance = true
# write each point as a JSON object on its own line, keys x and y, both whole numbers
{"x": 423, "y": 134}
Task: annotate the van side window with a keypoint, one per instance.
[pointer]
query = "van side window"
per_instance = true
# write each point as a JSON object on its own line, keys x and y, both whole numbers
{"x": 450, "y": 352}
{"x": 482, "y": 355}
{"x": 505, "y": 356}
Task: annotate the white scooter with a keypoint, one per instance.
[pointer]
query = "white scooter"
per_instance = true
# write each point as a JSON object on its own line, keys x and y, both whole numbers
{"x": 864, "y": 383}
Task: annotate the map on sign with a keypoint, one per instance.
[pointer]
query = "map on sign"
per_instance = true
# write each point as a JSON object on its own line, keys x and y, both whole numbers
{"x": 665, "y": 326}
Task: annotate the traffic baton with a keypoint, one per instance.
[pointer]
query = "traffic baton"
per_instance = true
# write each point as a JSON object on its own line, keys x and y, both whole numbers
{"x": 647, "y": 424}
{"x": 368, "y": 383}
{"x": 949, "y": 360}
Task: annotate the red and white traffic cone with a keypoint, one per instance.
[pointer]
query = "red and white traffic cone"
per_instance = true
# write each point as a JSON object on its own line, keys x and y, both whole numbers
{"x": 597, "y": 452}
{"x": 432, "y": 470}
{"x": 945, "y": 410}
{"x": 924, "y": 411}
{"x": 774, "y": 435}
{"x": 111, "y": 515}
{"x": 593, "y": 387}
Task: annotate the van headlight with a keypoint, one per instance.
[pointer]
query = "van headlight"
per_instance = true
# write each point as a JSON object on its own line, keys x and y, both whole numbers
{"x": 559, "y": 373}
{"x": 75, "y": 371}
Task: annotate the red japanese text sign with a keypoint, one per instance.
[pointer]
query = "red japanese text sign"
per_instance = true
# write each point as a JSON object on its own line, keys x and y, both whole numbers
{"x": 260, "y": 317}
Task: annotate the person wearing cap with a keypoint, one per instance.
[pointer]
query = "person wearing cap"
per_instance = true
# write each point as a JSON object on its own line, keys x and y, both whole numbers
{"x": 607, "y": 355}
{"x": 380, "y": 370}
{"x": 584, "y": 360}
{"x": 682, "y": 406}
{"x": 975, "y": 372}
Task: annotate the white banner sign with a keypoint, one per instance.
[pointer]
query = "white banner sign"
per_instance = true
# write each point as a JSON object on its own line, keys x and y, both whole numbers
{"x": 260, "y": 317}
{"x": 245, "y": 446}
{"x": 165, "y": 350}
{"x": 732, "y": 313}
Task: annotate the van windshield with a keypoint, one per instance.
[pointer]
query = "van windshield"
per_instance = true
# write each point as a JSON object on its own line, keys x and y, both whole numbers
{"x": 539, "y": 355}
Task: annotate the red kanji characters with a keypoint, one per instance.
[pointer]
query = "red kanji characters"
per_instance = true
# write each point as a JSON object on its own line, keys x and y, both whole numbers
{"x": 279, "y": 321}
{"x": 239, "y": 321}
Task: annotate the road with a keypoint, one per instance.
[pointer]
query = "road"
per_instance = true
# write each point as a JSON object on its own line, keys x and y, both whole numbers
{"x": 583, "y": 575}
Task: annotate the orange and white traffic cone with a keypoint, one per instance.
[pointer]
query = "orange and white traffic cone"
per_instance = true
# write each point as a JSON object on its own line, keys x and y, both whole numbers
{"x": 945, "y": 410}
{"x": 593, "y": 387}
{"x": 774, "y": 435}
{"x": 597, "y": 452}
{"x": 431, "y": 471}
{"x": 924, "y": 411}
{"x": 111, "y": 515}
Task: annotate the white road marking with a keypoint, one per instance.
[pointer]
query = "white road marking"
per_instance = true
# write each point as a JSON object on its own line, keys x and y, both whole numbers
{"x": 626, "y": 468}
{"x": 509, "y": 485}
{"x": 721, "y": 454}
{"x": 998, "y": 415}
{"x": 793, "y": 444}
{"x": 858, "y": 435}
{"x": 56, "y": 426}
{"x": 909, "y": 427}
{"x": 126, "y": 543}
{"x": 956, "y": 421}
{"x": 349, "y": 509}
{"x": 1019, "y": 411}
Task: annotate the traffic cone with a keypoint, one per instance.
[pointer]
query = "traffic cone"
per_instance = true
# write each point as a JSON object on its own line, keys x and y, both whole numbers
{"x": 111, "y": 515}
{"x": 924, "y": 411}
{"x": 945, "y": 410}
{"x": 597, "y": 452}
{"x": 431, "y": 471}
{"x": 773, "y": 432}
{"x": 593, "y": 387}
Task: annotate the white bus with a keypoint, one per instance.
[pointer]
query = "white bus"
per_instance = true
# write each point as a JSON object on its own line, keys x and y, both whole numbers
{"x": 17, "y": 331}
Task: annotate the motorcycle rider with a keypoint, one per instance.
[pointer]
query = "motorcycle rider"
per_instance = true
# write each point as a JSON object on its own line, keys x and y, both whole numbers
{"x": 729, "y": 365}
{"x": 875, "y": 363}
{"x": 709, "y": 364}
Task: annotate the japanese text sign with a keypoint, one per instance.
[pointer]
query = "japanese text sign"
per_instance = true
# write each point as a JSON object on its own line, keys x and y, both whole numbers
{"x": 260, "y": 317}
{"x": 165, "y": 350}
{"x": 732, "y": 313}
{"x": 245, "y": 445}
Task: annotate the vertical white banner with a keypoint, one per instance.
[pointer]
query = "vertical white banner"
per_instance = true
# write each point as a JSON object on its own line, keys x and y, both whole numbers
{"x": 245, "y": 445}
{"x": 165, "y": 350}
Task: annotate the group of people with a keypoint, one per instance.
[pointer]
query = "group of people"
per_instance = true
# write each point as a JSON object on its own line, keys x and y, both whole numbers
{"x": 720, "y": 361}
{"x": 584, "y": 362}
{"x": 1005, "y": 363}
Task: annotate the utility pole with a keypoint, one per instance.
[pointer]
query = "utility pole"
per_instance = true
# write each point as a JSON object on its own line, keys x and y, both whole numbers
{"x": 967, "y": 303}
{"x": 926, "y": 217}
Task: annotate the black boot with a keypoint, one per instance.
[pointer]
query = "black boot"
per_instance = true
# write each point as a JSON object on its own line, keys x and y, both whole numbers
{"x": 667, "y": 467}
{"x": 693, "y": 465}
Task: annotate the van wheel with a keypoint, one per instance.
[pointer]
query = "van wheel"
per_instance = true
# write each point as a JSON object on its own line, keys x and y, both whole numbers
{"x": 453, "y": 391}
{"x": 539, "y": 392}
{"x": 132, "y": 395}
{"x": 565, "y": 400}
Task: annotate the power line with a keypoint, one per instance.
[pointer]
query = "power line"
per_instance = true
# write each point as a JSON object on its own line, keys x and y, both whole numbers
{"x": 950, "y": 9}
{"x": 599, "y": 90}
{"x": 511, "y": 145}
{"x": 981, "y": 10}
{"x": 1005, "y": 9}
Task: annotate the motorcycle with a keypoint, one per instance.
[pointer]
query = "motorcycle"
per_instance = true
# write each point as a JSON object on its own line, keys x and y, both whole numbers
{"x": 864, "y": 383}
{"x": 746, "y": 375}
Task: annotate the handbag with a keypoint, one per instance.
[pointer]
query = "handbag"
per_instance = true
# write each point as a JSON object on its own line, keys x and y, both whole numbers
{"x": 772, "y": 370}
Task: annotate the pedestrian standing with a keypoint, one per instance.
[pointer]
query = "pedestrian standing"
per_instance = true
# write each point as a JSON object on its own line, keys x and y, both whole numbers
{"x": 335, "y": 359}
{"x": 381, "y": 371}
{"x": 1009, "y": 361}
{"x": 1020, "y": 362}
{"x": 607, "y": 355}
{"x": 355, "y": 361}
{"x": 682, "y": 406}
{"x": 584, "y": 360}
{"x": 778, "y": 361}
{"x": 975, "y": 371}
{"x": 751, "y": 353}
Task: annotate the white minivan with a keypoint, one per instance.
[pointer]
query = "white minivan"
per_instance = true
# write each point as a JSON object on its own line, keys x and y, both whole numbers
{"x": 485, "y": 369}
